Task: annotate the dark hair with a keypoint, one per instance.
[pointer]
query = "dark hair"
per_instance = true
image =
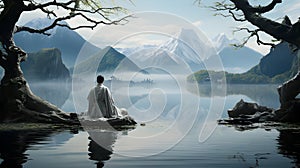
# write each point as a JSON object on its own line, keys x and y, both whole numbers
{"x": 100, "y": 79}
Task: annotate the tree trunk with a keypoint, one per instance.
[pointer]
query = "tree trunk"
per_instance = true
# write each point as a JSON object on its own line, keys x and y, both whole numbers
{"x": 19, "y": 104}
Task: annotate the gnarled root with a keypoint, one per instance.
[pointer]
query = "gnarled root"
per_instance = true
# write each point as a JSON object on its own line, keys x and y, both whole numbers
{"x": 19, "y": 104}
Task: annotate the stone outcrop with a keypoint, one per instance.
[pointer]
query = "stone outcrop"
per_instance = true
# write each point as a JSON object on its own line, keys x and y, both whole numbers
{"x": 249, "y": 113}
{"x": 245, "y": 108}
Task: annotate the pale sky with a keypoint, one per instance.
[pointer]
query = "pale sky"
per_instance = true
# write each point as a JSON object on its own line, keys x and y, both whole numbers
{"x": 200, "y": 17}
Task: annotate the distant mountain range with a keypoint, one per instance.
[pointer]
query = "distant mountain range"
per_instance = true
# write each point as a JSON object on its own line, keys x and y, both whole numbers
{"x": 106, "y": 61}
{"x": 71, "y": 44}
{"x": 195, "y": 52}
{"x": 235, "y": 60}
{"x": 279, "y": 65}
{"x": 184, "y": 49}
{"x": 67, "y": 41}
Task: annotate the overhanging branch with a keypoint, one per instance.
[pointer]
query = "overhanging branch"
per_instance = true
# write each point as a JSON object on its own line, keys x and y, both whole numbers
{"x": 265, "y": 9}
{"x": 252, "y": 33}
{"x": 277, "y": 30}
{"x": 56, "y": 22}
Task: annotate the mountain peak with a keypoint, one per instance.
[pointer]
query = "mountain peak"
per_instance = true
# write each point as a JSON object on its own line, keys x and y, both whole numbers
{"x": 221, "y": 41}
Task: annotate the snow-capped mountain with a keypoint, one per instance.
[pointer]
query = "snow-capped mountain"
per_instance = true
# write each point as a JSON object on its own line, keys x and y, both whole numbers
{"x": 221, "y": 41}
{"x": 195, "y": 52}
{"x": 184, "y": 49}
{"x": 154, "y": 57}
{"x": 67, "y": 41}
{"x": 128, "y": 51}
{"x": 189, "y": 47}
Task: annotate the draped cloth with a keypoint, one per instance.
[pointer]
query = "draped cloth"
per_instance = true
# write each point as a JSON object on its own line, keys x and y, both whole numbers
{"x": 101, "y": 103}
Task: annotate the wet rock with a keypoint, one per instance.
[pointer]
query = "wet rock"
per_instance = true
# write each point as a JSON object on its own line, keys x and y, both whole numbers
{"x": 243, "y": 108}
{"x": 258, "y": 117}
{"x": 245, "y": 113}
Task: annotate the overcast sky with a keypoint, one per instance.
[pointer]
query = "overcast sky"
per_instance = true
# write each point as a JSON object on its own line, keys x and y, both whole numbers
{"x": 183, "y": 11}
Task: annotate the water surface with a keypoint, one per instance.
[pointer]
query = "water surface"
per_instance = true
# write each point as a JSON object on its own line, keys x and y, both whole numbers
{"x": 170, "y": 145}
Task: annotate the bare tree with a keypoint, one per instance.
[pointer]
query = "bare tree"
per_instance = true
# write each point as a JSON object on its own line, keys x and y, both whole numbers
{"x": 17, "y": 102}
{"x": 243, "y": 11}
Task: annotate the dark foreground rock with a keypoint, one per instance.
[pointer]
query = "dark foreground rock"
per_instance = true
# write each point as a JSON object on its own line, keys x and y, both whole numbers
{"x": 290, "y": 114}
{"x": 245, "y": 113}
{"x": 243, "y": 108}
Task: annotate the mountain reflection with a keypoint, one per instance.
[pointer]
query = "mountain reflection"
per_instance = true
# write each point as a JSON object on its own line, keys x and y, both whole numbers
{"x": 55, "y": 92}
{"x": 100, "y": 146}
{"x": 264, "y": 94}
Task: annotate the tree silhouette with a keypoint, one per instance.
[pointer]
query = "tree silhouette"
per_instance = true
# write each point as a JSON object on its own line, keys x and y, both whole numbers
{"x": 17, "y": 102}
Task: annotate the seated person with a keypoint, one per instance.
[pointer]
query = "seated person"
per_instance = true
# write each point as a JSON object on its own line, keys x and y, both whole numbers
{"x": 101, "y": 103}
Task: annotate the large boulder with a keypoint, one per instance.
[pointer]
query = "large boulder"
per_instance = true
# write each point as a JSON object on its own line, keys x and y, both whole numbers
{"x": 245, "y": 108}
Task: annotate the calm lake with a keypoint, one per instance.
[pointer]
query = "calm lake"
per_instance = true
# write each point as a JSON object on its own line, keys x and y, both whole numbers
{"x": 180, "y": 131}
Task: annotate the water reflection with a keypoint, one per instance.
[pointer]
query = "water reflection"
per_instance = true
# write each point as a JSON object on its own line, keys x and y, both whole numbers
{"x": 55, "y": 92}
{"x": 288, "y": 139}
{"x": 101, "y": 146}
{"x": 13, "y": 147}
{"x": 15, "y": 143}
{"x": 264, "y": 94}
{"x": 289, "y": 144}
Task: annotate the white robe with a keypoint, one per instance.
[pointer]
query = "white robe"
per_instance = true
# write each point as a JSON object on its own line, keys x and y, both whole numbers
{"x": 101, "y": 103}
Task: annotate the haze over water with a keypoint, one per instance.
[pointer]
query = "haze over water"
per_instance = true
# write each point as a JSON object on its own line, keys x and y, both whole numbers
{"x": 163, "y": 141}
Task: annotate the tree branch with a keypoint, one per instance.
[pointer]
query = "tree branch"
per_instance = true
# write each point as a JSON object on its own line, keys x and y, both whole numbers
{"x": 236, "y": 18}
{"x": 277, "y": 30}
{"x": 57, "y": 20}
{"x": 281, "y": 31}
{"x": 222, "y": 6}
{"x": 34, "y": 6}
{"x": 253, "y": 33}
{"x": 74, "y": 11}
{"x": 267, "y": 8}
{"x": 67, "y": 6}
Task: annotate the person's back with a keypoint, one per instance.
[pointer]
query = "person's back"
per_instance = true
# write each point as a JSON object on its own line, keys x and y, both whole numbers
{"x": 100, "y": 101}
